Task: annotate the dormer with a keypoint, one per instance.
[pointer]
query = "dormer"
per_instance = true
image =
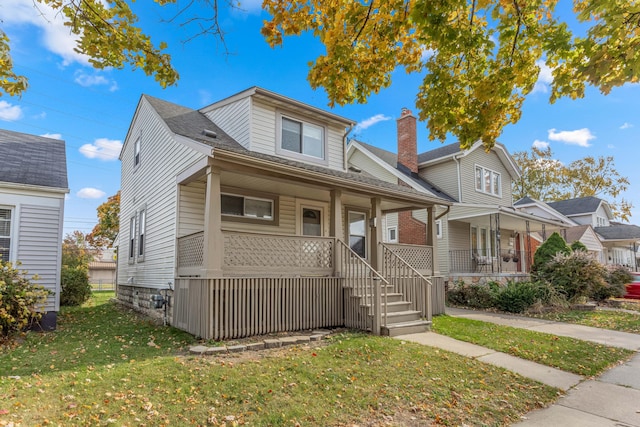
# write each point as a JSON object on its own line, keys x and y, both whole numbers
{"x": 269, "y": 123}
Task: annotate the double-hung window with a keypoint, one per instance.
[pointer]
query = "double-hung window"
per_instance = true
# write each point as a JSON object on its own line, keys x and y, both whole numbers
{"x": 5, "y": 234}
{"x": 136, "y": 153}
{"x": 488, "y": 181}
{"x": 302, "y": 138}
{"x": 132, "y": 239}
{"x": 247, "y": 207}
{"x": 142, "y": 227}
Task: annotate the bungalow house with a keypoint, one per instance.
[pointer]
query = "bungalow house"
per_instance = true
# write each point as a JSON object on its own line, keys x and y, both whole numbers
{"x": 243, "y": 218}
{"x": 33, "y": 185}
{"x": 480, "y": 236}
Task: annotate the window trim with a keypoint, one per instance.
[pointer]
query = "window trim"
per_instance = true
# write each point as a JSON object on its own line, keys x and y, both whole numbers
{"x": 136, "y": 152}
{"x": 255, "y": 195}
{"x": 141, "y": 234}
{"x": 438, "y": 225}
{"x": 132, "y": 238}
{"x": 12, "y": 228}
{"x": 393, "y": 228}
{"x": 324, "y": 160}
{"x": 366, "y": 229}
{"x": 480, "y": 184}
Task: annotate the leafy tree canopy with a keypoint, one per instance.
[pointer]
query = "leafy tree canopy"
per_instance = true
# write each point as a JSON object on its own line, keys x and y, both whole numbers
{"x": 548, "y": 180}
{"x": 479, "y": 57}
{"x": 105, "y": 231}
{"x": 76, "y": 250}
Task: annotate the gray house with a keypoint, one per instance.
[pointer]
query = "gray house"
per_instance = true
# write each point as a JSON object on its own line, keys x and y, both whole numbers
{"x": 242, "y": 218}
{"x": 33, "y": 185}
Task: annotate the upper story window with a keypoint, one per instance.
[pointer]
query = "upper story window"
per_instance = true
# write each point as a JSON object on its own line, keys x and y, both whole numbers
{"x": 5, "y": 234}
{"x": 601, "y": 221}
{"x": 302, "y": 138}
{"x": 488, "y": 181}
{"x": 136, "y": 153}
{"x": 247, "y": 207}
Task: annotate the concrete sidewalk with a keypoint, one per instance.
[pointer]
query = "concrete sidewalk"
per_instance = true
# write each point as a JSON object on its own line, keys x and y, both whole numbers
{"x": 613, "y": 399}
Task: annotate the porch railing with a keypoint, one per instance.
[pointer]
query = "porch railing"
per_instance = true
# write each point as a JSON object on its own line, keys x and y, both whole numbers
{"x": 190, "y": 255}
{"x": 506, "y": 261}
{"x": 418, "y": 256}
{"x": 407, "y": 280}
{"x": 365, "y": 291}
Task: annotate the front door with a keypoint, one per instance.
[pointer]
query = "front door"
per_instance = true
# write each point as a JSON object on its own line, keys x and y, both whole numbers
{"x": 358, "y": 232}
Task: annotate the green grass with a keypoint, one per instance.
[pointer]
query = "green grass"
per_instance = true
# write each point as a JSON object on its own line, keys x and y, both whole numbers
{"x": 606, "y": 319}
{"x": 106, "y": 366}
{"x": 568, "y": 354}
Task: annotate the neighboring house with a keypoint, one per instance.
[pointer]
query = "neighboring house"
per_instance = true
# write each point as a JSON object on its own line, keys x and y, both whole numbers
{"x": 102, "y": 270}
{"x": 242, "y": 218}
{"x": 33, "y": 185}
{"x": 481, "y": 235}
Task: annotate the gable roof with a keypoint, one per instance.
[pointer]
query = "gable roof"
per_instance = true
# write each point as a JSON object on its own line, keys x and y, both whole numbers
{"x": 617, "y": 231}
{"x": 450, "y": 151}
{"x": 32, "y": 160}
{"x": 191, "y": 123}
{"x": 391, "y": 159}
{"x": 580, "y": 205}
{"x": 526, "y": 203}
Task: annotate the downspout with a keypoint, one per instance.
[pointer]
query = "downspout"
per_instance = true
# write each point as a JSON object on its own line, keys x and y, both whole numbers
{"x": 443, "y": 213}
{"x": 344, "y": 147}
{"x": 455, "y": 159}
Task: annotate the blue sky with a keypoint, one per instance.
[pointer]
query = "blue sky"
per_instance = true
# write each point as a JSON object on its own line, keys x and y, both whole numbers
{"x": 91, "y": 109}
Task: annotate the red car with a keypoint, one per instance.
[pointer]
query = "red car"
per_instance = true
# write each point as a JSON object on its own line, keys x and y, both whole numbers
{"x": 633, "y": 288}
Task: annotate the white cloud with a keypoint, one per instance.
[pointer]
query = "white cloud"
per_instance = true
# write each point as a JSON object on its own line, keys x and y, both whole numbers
{"x": 367, "y": 123}
{"x": 579, "y": 137}
{"x": 541, "y": 145}
{"x": 9, "y": 113}
{"x": 427, "y": 53}
{"x": 90, "y": 193}
{"x": 55, "y": 37}
{"x": 545, "y": 78}
{"x": 87, "y": 80}
{"x": 103, "y": 149}
{"x": 52, "y": 135}
{"x": 626, "y": 125}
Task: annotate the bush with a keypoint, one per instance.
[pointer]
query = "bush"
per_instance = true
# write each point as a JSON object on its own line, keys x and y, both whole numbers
{"x": 544, "y": 254}
{"x": 75, "y": 286}
{"x": 578, "y": 275}
{"x": 473, "y": 296}
{"x": 19, "y": 301}
{"x": 517, "y": 297}
{"x": 578, "y": 246}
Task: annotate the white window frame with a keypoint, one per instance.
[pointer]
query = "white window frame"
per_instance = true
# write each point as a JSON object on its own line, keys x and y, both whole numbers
{"x": 141, "y": 234}
{"x": 301, "y": 155}
{"x": 489, "y": 238}
{"x": 601, "y": 221}
{"x": 366, "y": 230}
{"x": 393, "y": 229}
{"x": 136, "y": 152}
{"x": 480, "y": 173}
{"x": 248, "y": 217}
{"x": 10, "y": 236}
{"x": 438, "y": 228}
{"x": 132, "y": 238}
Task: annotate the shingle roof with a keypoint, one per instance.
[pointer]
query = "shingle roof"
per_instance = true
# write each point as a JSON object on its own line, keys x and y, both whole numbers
{"x": 576, "y": 206}
{"x": 575, "y": 233}
{"x": 32, "y": 160}
{"x": 619, "y": 232}
{"x": 524, "y": 201}
{"x": 392, "y": 160}
{"x": 190, "y": 123}
{"x": 445, "y": 150}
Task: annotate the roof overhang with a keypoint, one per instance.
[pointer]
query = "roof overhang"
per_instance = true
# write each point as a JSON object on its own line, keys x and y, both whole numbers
{"x": 509, "y": 218}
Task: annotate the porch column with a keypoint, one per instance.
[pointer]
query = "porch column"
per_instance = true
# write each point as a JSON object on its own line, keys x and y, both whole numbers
{"x": 376, "y": 234}
{"x": 432, "y": 239}
{"x": 336, "y": 228}
{"x": 213, "y": 250}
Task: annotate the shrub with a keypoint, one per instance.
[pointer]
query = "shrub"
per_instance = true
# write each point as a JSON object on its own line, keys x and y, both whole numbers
{"x": 617, "y": 277}
{"x": 516, "y": 297}
{"x": 473, "y": 296}
{"x": 544, "y": 254}
{"x": 578, "y": 246}
{"x": 578, "y": 275}
{"x": 75, "y": 286}
{"x": 19, "y": 300}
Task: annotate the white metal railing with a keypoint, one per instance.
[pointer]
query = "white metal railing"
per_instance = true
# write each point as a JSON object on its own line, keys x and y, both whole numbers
{"x": 365, "y": 291}
{"x": 407, "y": 280}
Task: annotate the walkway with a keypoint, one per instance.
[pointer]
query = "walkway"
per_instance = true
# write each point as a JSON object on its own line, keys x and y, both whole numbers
{"x": 613, "y": 399}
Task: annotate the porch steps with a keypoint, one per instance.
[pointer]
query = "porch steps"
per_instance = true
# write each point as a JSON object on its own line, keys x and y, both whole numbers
{"x": 405, "y": 328}
{"x": 401, "y": 316}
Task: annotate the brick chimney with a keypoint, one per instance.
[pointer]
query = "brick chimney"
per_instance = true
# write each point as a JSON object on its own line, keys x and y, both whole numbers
{"x": 407, "y": 141}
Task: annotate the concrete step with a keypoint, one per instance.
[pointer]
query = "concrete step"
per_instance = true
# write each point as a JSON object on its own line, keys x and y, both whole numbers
{"x": 406, "y": 328}
{"x": 402, "y": 316}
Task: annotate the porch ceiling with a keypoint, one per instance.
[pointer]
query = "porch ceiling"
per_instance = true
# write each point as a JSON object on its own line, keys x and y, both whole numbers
{"x": 509, "y": 219}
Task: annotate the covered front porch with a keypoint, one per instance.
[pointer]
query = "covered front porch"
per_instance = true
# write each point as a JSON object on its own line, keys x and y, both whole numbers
{"x": 262, "y": 248}
{"x": 495, "y": 243}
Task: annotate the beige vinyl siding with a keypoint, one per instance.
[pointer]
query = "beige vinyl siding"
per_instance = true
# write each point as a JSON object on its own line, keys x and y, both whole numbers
{"x": 152, "y": 185}
{"x": 443, "y": 243}
{"x": 365, "y": 163}
{"x": 489, "y": 161}
{"x": 443, "y": 175}
{"x": 390, "y": 220}
{"x": 264, "y": 139}
{"x": 459, "y": 237}
{"x": 591, "y": 241}
{"x": 234, "y": 119}
{"x": 192, "y": 205}
{"x": 39, "y": 247}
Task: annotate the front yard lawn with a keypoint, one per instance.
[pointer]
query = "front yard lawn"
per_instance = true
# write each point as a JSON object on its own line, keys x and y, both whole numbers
{"x": 569, "y": 354}
{"x": 606, "y": 319}
{"x": 106, "y": 366}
